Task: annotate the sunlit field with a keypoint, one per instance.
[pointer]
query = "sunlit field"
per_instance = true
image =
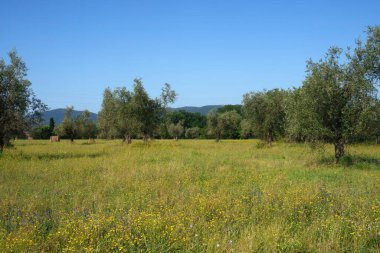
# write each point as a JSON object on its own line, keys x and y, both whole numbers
{"x": 188, "y": 196}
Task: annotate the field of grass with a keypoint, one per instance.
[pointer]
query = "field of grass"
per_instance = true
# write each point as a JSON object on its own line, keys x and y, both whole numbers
{"x": 188, "y": 196}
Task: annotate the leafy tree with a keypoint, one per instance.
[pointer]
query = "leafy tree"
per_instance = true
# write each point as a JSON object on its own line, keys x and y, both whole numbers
{"x": 126, "y": 122}
{"x": 229, "y": 123}
{"x": 20, "y": 110}
{"x": 245, "y": 129}
{"x": 369, "y": 124}
{"x": 51, "y": 125}
{"x": 107, "y": 117}
{"x": 223, "y": 125}
{"x": 176, "y": 130}
{"x": 168, "y": 96}
{"x": 41, "y": 132}
{"x": 68, "y": 127}
{"x": 334, "y": 102}
{"x": 192, "y": 133}
{"x": 148, "y": 113}
{"x": 266, "y": 112}
{"x": 133, "y": 113}
{"x": 85, "y": 128}
{"x": 213, "y": 126}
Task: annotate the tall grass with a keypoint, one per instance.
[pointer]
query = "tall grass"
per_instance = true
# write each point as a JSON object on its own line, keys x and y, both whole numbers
{"x": 192, "y": 196}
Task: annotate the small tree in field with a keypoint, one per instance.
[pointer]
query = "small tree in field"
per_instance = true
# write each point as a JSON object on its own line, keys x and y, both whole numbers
{"x": 266, "y": 112}
{"x": 107, "y": 117}
{"x": 126, "y": 122}
{"x": 176, "y": 130}
{"x": 20, "y": 110}
{"x": 85, "y": 128}
{"x": 68, "y": 126}
{"x": 333, "y": 103}
{"x": 147, "y": 112}
{"x": 192, "y": 132}
{"x": 213, "y": 126}
{"x": 229, "y": 123}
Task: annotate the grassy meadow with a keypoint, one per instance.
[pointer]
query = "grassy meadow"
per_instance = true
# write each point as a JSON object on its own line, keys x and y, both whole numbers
{"x": 188, "y": 196}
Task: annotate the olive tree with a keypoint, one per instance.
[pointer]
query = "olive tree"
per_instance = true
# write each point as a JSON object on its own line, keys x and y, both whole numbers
{"x": 266, "y": 112}
{"x": 176, "y": 130}
{"x": 68, "y": 127}
{"x": 107, "y": 117}
{"x": 337, "y": 95}
{"x": 20, "y": 110}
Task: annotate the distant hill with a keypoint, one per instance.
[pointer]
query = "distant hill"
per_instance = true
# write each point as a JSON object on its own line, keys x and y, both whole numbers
{"x": 58, "y": 114}
{"x": 202, "y": 110}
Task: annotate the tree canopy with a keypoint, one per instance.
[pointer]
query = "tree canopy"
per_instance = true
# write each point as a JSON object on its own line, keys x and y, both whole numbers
{"x": 20, "y": 109}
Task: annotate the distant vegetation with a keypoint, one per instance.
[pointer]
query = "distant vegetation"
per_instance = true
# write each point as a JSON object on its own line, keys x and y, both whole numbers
{"x": 337, "y": 103}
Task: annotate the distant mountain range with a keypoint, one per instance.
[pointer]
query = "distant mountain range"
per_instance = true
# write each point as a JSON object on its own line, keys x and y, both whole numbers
{"x": 58, "y": 114}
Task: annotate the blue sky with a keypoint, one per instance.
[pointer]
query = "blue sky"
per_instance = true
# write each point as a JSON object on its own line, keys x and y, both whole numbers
{"x": 211, "y": 52}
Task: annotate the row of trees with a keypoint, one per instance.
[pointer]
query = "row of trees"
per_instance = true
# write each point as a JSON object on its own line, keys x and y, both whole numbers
{"x": 127, "y": 114}
{"x": 337, "y": 103}
{"x": 80, "y": 127}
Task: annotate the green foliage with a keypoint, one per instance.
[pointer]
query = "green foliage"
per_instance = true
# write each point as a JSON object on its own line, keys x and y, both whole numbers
{"x": 337, "y": 102}
{"x": 128, "y": 114}
{"x": 266, "y": 112}
{"x": 224, "y": 125}
{"x": 126, "y": 124}
{"x": 147, "y": 112}
{"x": 107, "y": 118}
{"x": 41, "y": 132}
{"x": 227, "y": 108}
{"x": 245, "y": 129}
{"x": 213, "y": 126}
{"x": 51, "y": 126}
{"x": 68, "y": 127}
{"x": 176, "y": 130}
{"x": 192, "y": 133}
{"x": 189, "y": 119}
{"x": 229, "y": 122}
{"x": 85, "y": 128}
{"x": 20, "y": 110}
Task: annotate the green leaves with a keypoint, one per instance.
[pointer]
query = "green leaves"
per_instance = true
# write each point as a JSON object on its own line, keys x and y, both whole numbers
{"x": 266, "y": 112}
{"x": 20, "y": 110}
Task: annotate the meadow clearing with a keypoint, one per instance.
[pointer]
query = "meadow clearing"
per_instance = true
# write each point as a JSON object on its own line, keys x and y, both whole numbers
{"x": 188, "y": 196}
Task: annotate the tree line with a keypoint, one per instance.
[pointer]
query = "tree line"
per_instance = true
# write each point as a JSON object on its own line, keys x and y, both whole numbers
{"x": 336, "y": 103}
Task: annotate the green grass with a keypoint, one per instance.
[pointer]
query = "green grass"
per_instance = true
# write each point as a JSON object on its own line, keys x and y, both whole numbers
{"x": 188, "y": 196}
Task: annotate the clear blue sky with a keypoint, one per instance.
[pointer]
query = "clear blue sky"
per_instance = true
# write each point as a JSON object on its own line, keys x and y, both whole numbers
{"x": 211, "y": 52}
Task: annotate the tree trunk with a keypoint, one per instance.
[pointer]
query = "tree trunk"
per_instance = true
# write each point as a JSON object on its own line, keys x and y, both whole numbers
{"x": 339, "y": 150}
{"x": 72, "y": 139}
{"x": 127, "y": 138}
{"x": 270, "y": 138}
